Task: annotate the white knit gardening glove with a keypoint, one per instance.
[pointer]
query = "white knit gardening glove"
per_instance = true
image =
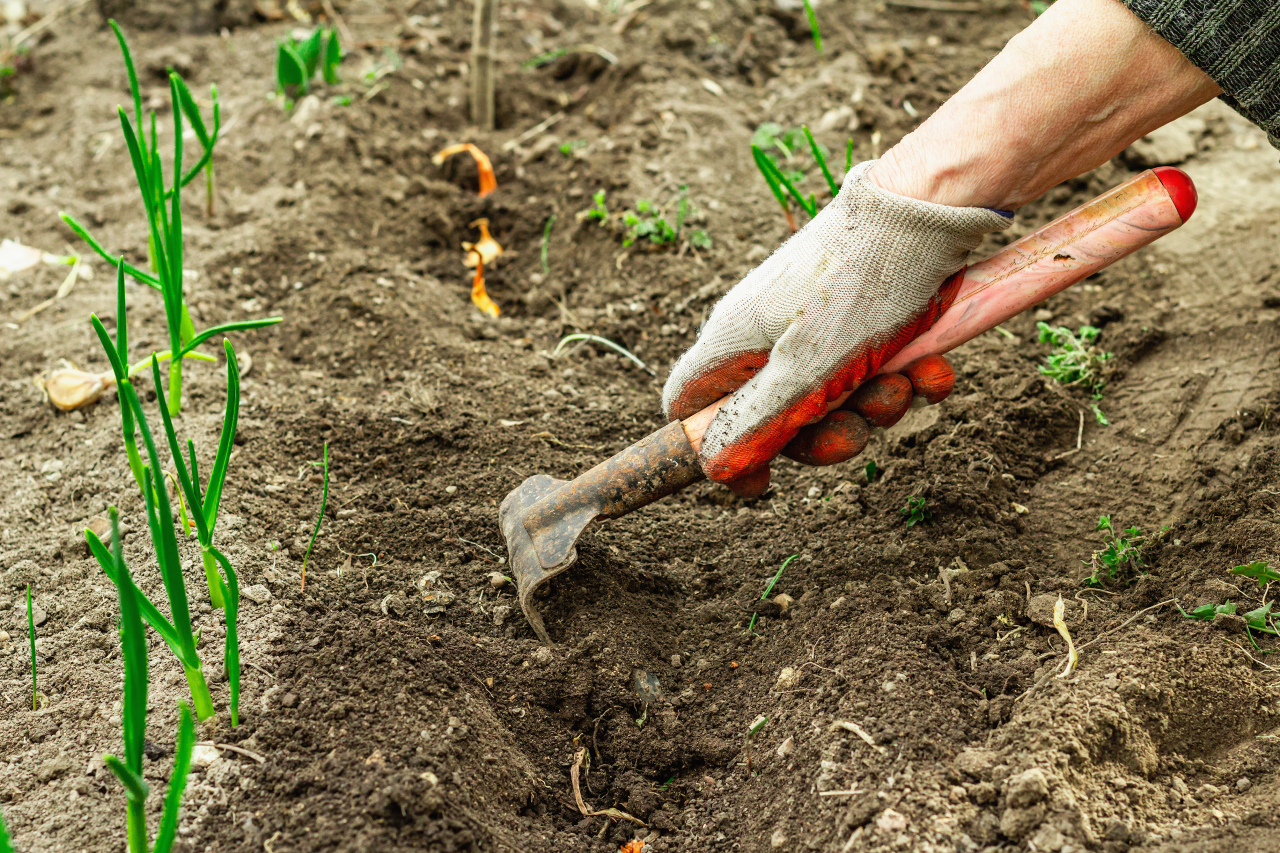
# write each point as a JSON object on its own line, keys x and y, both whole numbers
{"x": 821, "y": 315}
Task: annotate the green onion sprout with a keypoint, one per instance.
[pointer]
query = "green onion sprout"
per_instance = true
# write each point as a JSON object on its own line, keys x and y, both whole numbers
{"x": 164, "y": 224}
{"x": 31, "y": 635}
{"x": 324, "y": 501}
{"x": 133, "y": 651}
{"x": 813, "y": 26}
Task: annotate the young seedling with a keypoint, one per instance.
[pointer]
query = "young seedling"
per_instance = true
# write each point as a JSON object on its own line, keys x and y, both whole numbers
{"x": 133, "y": 651}
{"x": 324, "y": 501}
{"x": 298, "y": 61}
{"x": 164, "y": 228}
{"x": 5, "y": 846}
{"x": 1075, "y": 360}
{"x": 872, "y": 472}
{"x": 647, "y": 222}
{"x": 1260, "y": 619}
{"x": 915, "y": 512}
{"x": 768, "y": 588}
{"x": 1121, "y": 556}
{"x": 567, "y": 148}
{"x": 813, "y": 26}
{"x": 176, "y": 634}
{"x": 31, "y": 635}
{"x": 546, "y": 246}
{"x": 597, "y": 212}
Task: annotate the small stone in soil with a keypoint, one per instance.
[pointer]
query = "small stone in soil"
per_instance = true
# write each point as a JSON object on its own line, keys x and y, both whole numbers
{"x": 258, "y": 593}
{"x": 449, "y": 490}
{"x": 500, "y": 613}
{"x": 37, "y": 612}
{"x": 787, "y": 747}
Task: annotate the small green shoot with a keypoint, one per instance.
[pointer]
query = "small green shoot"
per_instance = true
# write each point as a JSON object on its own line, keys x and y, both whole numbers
{"x": 6, "y": 847}
{"x": 768, "y": 588}
{"x": 546, "y": 245}
{"x": 31, "y": 635}
{"x": 567, "y": 148}
{"x": 1075, "y": 360}
{"x": 915, "y": 512}
{"x": 298, "y": 61}
{"x": 813, "y": 26}
{"x": 647, "y": 222}
{"x": 1120, "y": 558}
{"x": 324, "y": 501}
{"x": 133, "y": 652}
{"x": 775, "y": 152}
{"x": 1039, "y": 7}
{"x": 597, "y": 212}
{"x": 872, "y": 472}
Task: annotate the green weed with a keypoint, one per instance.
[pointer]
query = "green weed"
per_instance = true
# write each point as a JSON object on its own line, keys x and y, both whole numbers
{"x": 597, "y": 212}
{"x": 1075, "y": 360}
{"x": 1119, "y": 559}
{"x": 915, "y": 512}
{"x": 647, "y": 222}
{"x": 567, "y": 148}
{"x": 6, "y": 847}
{"x": 872, "y": 472}
{"x": 1259, "y": 571}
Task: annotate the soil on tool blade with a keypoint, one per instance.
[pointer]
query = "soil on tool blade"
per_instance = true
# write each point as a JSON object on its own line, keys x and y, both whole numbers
{"x": 400, "y": 702}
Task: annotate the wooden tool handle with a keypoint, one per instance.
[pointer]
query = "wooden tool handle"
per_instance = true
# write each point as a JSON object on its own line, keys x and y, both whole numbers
{"x": 1025, "y": 273}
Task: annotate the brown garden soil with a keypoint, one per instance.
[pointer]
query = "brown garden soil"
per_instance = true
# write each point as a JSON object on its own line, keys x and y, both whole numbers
{"x": 401, "y": 702}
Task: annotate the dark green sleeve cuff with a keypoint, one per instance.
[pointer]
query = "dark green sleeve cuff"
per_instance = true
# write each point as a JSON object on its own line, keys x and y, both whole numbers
{"x": 1236, "y": 43}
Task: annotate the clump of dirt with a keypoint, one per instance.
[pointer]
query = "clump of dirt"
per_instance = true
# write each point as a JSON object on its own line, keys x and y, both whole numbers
{"x": 912, "y": 688}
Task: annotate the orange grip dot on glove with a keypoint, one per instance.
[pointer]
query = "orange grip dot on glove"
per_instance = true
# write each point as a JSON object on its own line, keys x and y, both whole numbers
{"x": 932, "y": 377}
{"x": 882, "y": 400}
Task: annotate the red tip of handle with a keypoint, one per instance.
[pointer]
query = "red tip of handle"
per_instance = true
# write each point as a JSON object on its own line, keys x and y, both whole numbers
{"x": 1182, "y": 192}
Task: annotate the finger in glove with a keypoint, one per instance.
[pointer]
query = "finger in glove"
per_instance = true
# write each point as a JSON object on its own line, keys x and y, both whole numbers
{"x": 838, "y": 437}
{"x": 931, "y": 377}
{"x": 882, "y": 400}
{"x": 751, "y": 485}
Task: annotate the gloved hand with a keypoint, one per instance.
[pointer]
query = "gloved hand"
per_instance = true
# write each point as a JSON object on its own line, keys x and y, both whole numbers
{"x": 871, "y": 272}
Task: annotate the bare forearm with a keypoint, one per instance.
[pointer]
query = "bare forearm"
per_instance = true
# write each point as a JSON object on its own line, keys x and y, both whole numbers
{"x": 1066, "y": 94}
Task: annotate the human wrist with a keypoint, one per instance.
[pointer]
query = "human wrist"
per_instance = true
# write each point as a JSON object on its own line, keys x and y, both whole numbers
{"x": 1046, "y": 109}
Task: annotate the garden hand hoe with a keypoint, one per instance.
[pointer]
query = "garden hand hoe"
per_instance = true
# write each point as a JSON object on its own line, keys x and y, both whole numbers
{"x": 543, "y": 518}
